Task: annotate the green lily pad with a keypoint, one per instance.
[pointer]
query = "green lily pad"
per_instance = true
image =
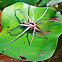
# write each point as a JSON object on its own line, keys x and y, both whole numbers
{"x": 41, "y": 48}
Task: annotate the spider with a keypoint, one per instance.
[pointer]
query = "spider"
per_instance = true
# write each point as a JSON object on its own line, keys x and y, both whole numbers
{"x": 31, "y": 24}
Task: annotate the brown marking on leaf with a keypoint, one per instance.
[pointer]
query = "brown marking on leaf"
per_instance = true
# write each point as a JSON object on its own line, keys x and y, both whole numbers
{"x": 39, "y": 33}
{"x": 42, "y": 50}
{"x": 7, "y": 26}
{"x": 49, "y": 54}
{"x": 4, "y": 5}
{"x": 24, "y": 42}
{"x": 2, "y": 51}
{"x": 54, "y": 18}
{"x": 22, "y": 51}
{"x": 31, "y": 51}
{"x": 37, "y": 14}
{"x": 40, "y": 53}
{"x": 23, "y": 54}
{"x": 23, "y": 57}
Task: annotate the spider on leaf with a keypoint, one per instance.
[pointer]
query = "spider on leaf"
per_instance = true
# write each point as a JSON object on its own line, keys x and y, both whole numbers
{"x": 31, "y": 24}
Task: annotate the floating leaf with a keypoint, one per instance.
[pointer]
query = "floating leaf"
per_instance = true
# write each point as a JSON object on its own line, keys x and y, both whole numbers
{"x": 41, "y": 48}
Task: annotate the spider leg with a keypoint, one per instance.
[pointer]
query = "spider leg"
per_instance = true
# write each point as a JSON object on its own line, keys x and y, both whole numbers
{"x": 23, "y": 25}
{"x": 42, "y": 15}
{"x": 49, "y": 21}
{"x": 54, "y": 20}
{"x": 18, "y": 26}
{"x": 39, "y": 23}
{"x": 19, "y": 35}
{"x": 25, "y": 14}
{"x": 37, "y": 29}
{"x": 32, "y": 36}
{"x": 16, "y": 16}
{"x": 32, "y": 14}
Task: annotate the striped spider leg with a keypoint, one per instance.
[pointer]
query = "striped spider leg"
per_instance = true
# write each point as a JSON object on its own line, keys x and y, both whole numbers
{"x": 30, "y": 25}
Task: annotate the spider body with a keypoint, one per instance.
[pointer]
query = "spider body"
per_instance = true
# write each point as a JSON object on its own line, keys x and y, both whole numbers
{"x": 37, "y": 29}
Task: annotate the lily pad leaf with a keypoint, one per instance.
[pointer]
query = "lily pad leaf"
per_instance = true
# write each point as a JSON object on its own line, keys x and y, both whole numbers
{"x": 41, "y": 48}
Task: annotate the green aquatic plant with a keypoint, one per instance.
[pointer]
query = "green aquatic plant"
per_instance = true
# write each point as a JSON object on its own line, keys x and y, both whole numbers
{"x": 43, "y": 44}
